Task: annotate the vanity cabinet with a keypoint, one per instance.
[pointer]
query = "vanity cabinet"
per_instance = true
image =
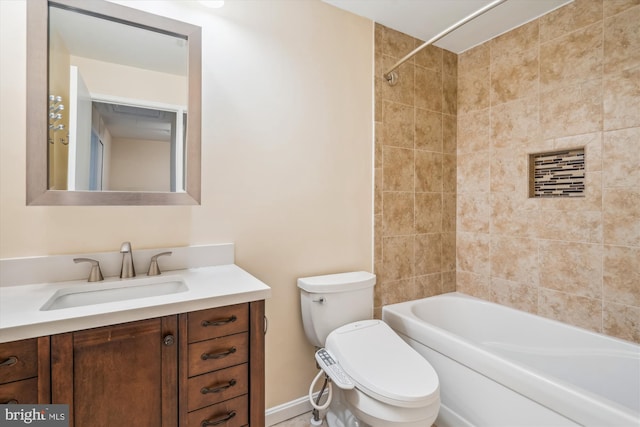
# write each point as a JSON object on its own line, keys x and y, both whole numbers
{"x": 215, "y": 372}
{"x": 118, "y": 375}
{"x": 24, "y": 371}
{"x": 201, "y": 368}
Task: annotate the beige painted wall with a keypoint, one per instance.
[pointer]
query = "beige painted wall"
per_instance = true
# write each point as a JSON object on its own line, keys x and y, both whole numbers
{"x": 286, "y": 169}
{"x": 139, "y": 165}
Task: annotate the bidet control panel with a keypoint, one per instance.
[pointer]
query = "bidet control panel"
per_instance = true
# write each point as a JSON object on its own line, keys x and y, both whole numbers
{"x": 333, "y": 369}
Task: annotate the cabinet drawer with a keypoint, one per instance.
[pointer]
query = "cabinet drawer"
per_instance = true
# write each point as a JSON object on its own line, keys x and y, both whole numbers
{"x": 18, "y": 360}
{"x": 211, "y": 355}
{"x": 230, "y": 413}
{"x": 22, "y": 392}
{"x": 218, "y": 322}
{"x": 217, "y": 386}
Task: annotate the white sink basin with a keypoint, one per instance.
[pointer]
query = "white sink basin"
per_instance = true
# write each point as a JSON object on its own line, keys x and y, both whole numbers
{"x": 122, "y": 290}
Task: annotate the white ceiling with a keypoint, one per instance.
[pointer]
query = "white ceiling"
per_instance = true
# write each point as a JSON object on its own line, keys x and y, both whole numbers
{"x": 423, "y": 19}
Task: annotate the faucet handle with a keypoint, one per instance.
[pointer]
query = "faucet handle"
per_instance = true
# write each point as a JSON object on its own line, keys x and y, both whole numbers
{"x": 95, "y": 275}
{"x": 154, "y": 270}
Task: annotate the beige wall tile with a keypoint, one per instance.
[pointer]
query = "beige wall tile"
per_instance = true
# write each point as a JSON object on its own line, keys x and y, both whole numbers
{"x": 397, "y": 168}
{"x": 428, "y": 130}
{"x": 569, "y": 18}
{"x": 571, "y": 110}
{"x": 612, "y": 7}
{"x": 448, "y": 251}
{"x": 428, "y": 176}
{"x": 513, "y": 294}
{"x": 572, "y": 58}
{"x": 395, "y": 291}
{"x": 474, "y": 172}
{"x": 573, "y": 268}
{"x": 473, "y": 212}
{"x": 377, "y": 160}
{"x": 509, "y": 170}
{"x": 412, "y": 133}
{"x": 428, "y": 89}
{"x": 395, "y": 43}
{"x": 377, "y": 191}
{"x": 404, "y": 90}
{"x": 515, "y": 259}
{"x": 449, "y": 171}
{"x": 622, "y": 41}
{"x": 473, "y": 59}
{"x": 621, "y": 219}
{"x": 377, "y": 237}
{"x": 430, "y": 57}
{"x": 473, "y": 90}
{"x": 621, "y": 99}
{"x": 430, "y": 284}
{"x": 575, "y": 226}
{"x": 473, "y": 253}
{"x": 397, "y": 213}
{"x": 428, "y": 212}
{"x": 398, "y": 124}
{"x": 524, "y": 37}
{"x": 397, "y": 254}
{"x": 622, "y": 275}
{"x": 621, "y": 321}
{"x": 592, "y": 144}
{"x": 473, "y": 131}
{"x": 477, "y": 285}
{"x": 449, "y": 281}
{"x": 515, "y": 124}
{"x": 513, "y": 216}
{"x": 514, "y": 75}
{"x": 449, "y": 134}
{"x": 573, "y": 309}
{"x": 428, "y": 253}
{"x": 450, "y": 94}
{"x": 621, "y": 158}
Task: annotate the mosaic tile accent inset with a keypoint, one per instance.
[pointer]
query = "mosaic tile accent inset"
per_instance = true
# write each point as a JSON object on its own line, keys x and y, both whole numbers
{"x": 557, "y": 174}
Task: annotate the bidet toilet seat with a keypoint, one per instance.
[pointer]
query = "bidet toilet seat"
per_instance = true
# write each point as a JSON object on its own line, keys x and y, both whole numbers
{"x": 383, "y": 366}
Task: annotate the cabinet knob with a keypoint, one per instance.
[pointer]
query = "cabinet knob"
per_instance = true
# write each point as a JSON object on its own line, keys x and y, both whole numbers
{"x": 10, "y": 361}
{"x": 169, "y": 340}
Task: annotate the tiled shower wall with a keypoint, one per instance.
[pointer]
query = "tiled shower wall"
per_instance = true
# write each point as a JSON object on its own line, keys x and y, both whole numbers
{"x": 415, "y": 163}
{"x": 568, "y": 79}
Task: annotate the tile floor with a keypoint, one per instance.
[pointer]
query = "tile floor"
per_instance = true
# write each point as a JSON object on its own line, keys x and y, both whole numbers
{"x": 299, "y": 421}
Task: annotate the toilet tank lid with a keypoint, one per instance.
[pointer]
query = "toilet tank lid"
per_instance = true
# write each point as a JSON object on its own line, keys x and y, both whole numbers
{"x": 340, "y": 282}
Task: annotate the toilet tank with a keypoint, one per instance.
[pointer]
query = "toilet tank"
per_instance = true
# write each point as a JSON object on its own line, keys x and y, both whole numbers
{"x": 333, "y": 300}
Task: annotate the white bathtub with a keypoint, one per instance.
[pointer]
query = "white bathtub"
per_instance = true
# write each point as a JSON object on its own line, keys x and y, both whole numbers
{"x": 500, "y": 367}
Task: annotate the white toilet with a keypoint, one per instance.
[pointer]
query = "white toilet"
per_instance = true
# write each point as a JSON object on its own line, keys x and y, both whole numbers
{"x": 394, "y": 385}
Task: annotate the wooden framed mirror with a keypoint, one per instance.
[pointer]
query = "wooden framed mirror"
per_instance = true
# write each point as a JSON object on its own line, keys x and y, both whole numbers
{"x": 113, "y": 106}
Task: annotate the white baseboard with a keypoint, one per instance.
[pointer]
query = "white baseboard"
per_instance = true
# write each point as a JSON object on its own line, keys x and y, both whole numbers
{"x": 288, "y": 410}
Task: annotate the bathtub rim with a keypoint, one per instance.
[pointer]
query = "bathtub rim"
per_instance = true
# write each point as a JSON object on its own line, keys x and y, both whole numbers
{"x": 578, "y": 404}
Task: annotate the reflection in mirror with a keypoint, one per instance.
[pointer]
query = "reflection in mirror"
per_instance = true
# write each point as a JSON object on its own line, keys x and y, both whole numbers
{"x": 123, "y": 116}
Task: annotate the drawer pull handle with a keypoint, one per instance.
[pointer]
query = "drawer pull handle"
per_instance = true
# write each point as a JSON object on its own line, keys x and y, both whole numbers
{"x": 219, "y": 421}
{"x": 205, "y": 390}
{"x": 207, "y": 356}
{"x": 220, "y": 322}
{"x": 12, "y": 360}
{"x": 10, "y": 402}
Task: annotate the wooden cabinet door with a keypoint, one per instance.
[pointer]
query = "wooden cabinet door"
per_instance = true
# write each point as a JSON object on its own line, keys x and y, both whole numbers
{"x": 121, "y": 375}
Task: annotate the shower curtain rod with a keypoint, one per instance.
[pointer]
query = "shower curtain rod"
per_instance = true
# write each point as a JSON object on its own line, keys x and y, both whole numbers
{"x": 392, "y": 77}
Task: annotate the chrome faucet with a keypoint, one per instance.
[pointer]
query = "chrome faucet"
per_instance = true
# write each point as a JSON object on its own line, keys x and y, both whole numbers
{"x": 127, "y": 270}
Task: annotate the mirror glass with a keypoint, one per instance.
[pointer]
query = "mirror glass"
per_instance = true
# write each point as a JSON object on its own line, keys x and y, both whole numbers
{"x": 122, "y": 99}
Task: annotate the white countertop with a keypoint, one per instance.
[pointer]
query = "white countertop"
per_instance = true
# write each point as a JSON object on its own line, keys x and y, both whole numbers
{"x": 209, "y": 287}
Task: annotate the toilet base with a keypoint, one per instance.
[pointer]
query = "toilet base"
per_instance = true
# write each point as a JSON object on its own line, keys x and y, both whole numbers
{"x": 341, "y": 413}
